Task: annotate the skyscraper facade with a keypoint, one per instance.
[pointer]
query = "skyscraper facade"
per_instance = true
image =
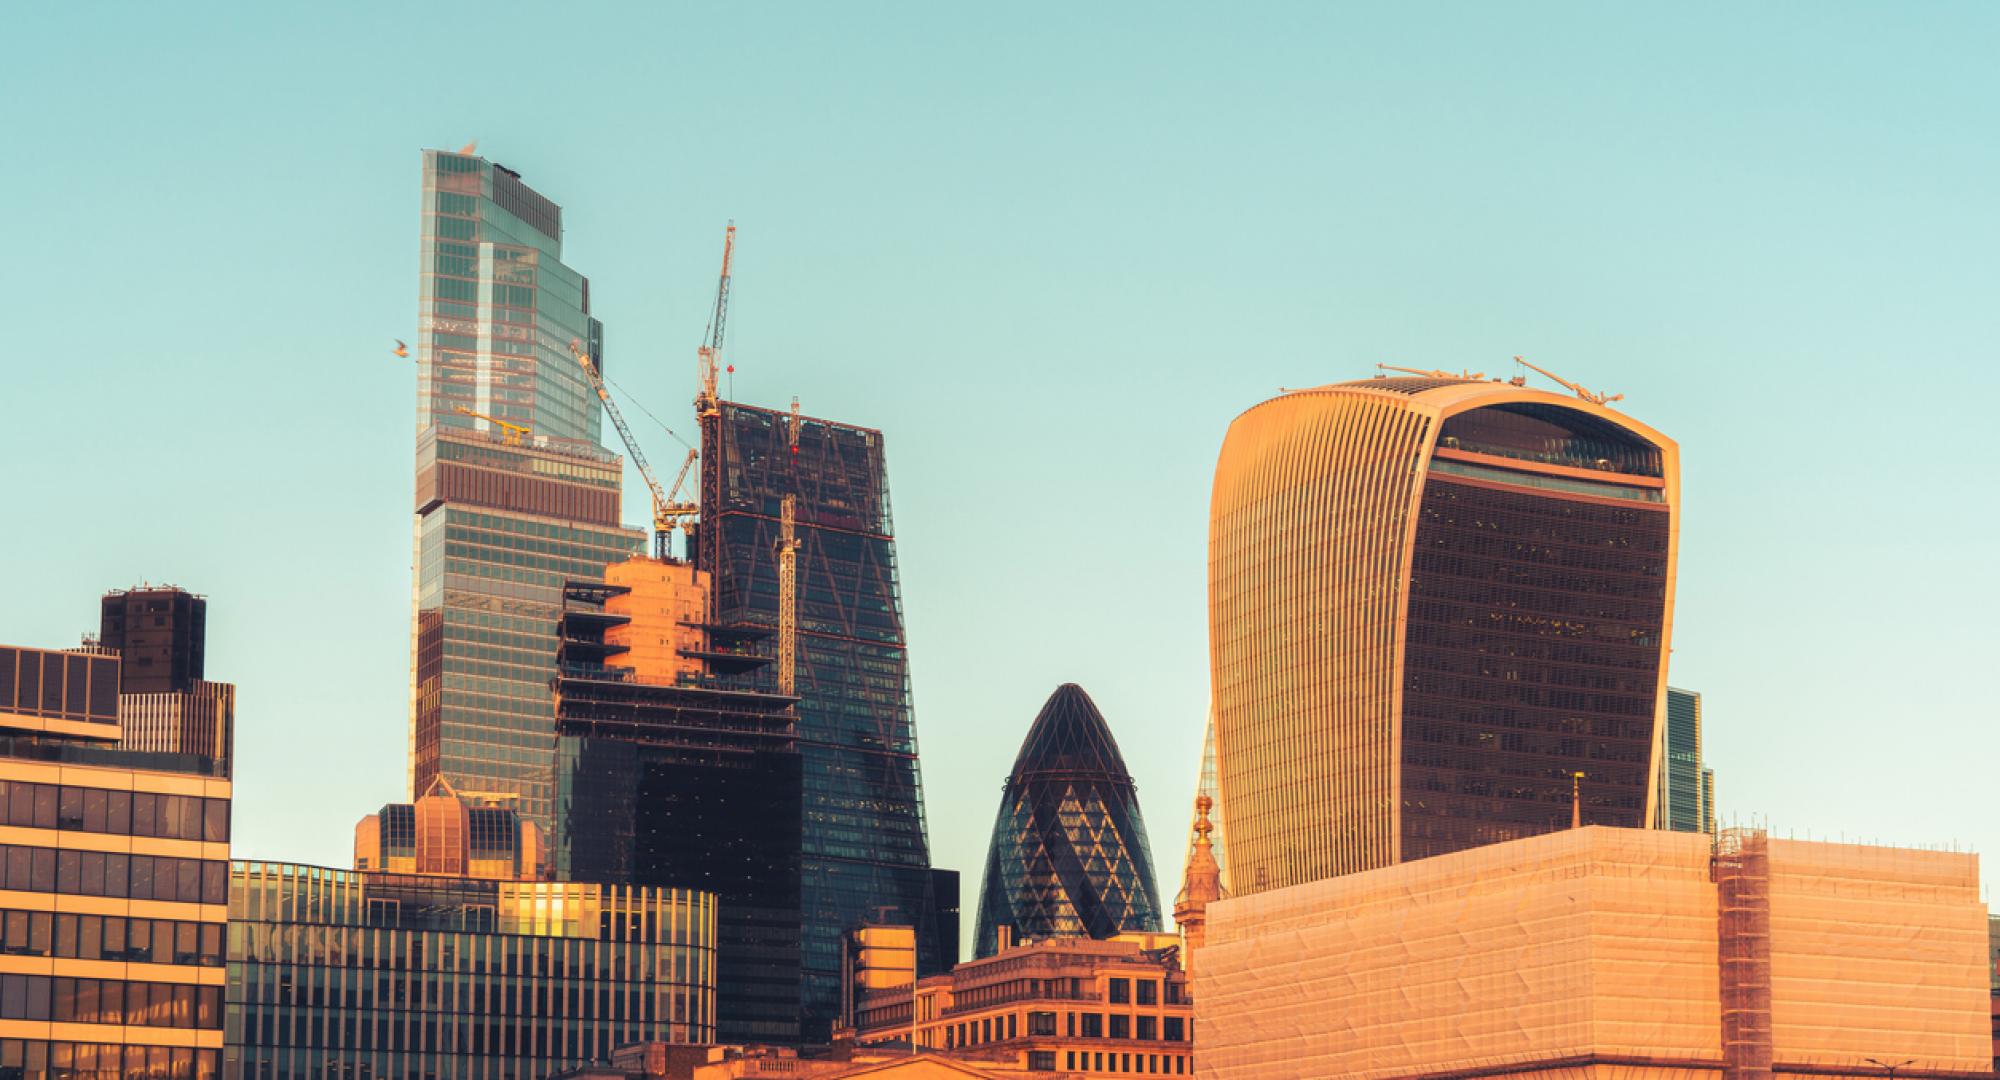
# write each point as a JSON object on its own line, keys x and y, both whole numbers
{"x": 164, "y": 705}
{"x": 338, "y": 973}
{"x": 671, "y": 771}
{"x": 514, "y": 494}
{"x": 1686, "y": 798}
{"x": 160, "y": 636}
{"x": 112, "y": 879}
{"x": 1069, "y": 856}
{"x": 865, "y": 846}
{"x": 1432, "y": 602}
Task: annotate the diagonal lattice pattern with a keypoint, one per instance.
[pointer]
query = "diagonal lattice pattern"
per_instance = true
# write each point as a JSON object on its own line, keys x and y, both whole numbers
{"x": 1069, "y": 856}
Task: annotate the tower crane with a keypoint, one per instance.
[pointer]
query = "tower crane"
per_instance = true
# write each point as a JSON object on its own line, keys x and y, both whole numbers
{"x": 788, "y": 597}
{"x": 512, "y": 432}
{"x": 1580, "y": 391}
{"x": 667, "y": 513}
{"x": 708, "y": 410}
{"x": 1474, "y": 375}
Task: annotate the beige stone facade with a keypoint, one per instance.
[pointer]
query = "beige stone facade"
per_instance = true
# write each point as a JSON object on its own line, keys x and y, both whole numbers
{"x": 1598, "y": 952}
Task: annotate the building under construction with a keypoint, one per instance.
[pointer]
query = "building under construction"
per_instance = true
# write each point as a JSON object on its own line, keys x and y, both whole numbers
{"x": 866, "y": 853}
{"x": 673, "y": 771}
{"x": 1602, "y": 952}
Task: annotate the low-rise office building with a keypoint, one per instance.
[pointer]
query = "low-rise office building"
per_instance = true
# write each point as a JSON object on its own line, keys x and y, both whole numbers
{"x": 451, "y": 978}
{"x": 1599, "y": 952}
{"x": 1077, "y": 1006}
{"x": 113, "y": 876}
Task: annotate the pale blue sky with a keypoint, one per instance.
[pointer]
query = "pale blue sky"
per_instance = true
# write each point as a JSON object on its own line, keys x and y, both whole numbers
{"x": 1051, "y": 252}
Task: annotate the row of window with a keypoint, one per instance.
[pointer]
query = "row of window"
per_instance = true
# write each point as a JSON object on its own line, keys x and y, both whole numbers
{"x": 124, "y": 813}
{"x": 1095, "y": 1061}
{"x": 1088, "y": 1025}
{"x": 111, "y": 937}
{"x": 105, "y": 873}
{"x": 109, "y": 1001}
{"x": 33, "y": 1059}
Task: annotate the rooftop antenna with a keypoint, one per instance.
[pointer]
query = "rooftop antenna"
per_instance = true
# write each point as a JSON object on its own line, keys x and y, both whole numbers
{"x": 1576, "y": 388}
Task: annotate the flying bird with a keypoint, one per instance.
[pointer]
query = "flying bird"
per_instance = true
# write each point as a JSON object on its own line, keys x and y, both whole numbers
{"x": 402, "y": 349}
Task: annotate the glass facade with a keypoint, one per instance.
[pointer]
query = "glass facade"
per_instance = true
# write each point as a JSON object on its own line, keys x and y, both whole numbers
{"x": 1432, "y": 601}
{"x": 685, "y": 780}
{"x": 1069, "y": 856}
{"x": 864, "y": 838}
{"x": 1687, "y": 802}
{"x": 498, "y": 307}
{"x": 335, "y": 973}
{"x": 493, "y": 556}
{"x": 504, "y": 517}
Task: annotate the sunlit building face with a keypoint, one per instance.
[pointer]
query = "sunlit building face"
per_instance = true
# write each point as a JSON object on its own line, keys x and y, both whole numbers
{"x": 1432, "y": 603}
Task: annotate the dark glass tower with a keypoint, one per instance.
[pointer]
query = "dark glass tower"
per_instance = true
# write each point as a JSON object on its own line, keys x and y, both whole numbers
{"x": 1069, "y": 856}
{"x": 1686, "y": 800}
{"x": 687, "y": 780}
{"x": 159, "y": 635}
{"x": 866, "y": 854}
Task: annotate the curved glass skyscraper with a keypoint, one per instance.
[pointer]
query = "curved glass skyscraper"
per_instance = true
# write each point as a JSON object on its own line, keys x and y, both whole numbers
{"x": 1432, "y": 601}
{"x": 1069, "y": 856}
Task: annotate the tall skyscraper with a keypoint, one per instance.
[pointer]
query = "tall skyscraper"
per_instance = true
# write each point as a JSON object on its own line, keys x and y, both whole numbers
{"x": 514, "y": 495}
{"x": 866, "y": 849}
{"x": 1431, "y": 602}
{"x": 164, "y": 705}
{"x": 1069, "y": 856}
{"x": 1687, "y": 798}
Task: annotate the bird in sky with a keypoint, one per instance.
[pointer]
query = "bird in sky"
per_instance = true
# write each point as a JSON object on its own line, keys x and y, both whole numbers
{"x": 401, "y": 349}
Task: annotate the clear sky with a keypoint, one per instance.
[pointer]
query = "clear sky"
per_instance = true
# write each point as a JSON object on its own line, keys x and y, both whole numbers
{"x": 1051, "y": 251}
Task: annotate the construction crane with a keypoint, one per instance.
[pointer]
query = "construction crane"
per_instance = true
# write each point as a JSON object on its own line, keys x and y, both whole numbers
{"x": 788, "y": 597}
{"x": 1473, "y": 375}
{"x": 513, "y": 432}
{"x": 667, "y": 513}
{"x": 1586, "y": 394}
{"x": 708, "y": 410}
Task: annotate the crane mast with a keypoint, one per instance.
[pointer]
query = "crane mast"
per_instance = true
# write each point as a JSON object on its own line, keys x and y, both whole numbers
{"x": 666, "y": 512}
{"x": 708, "y": 411}
{"x": 788, "y": 597}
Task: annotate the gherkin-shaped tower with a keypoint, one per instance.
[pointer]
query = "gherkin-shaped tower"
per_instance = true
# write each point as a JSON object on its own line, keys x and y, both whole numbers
{"x": 1069, "y": 856}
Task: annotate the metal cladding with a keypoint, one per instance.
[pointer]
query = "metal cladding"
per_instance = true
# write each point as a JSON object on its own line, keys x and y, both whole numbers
{"x": 1069, "y": 856}
{"x": 1431, "y": 602}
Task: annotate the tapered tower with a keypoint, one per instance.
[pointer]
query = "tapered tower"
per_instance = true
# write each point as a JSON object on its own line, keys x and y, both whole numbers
{"x": 1431, "y": 601}
{"x": 1069, "y": 856}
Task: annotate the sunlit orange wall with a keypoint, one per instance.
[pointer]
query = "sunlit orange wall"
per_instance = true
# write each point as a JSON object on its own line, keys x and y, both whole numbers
{"x": 1593, "y": 942}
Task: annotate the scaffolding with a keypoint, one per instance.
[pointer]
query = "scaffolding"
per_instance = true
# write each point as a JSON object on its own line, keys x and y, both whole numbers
{"x": 1742, "y": 871}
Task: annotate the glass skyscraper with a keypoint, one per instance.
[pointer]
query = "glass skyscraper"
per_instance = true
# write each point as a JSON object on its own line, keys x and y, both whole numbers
{"x": 865, "y": 846}
{"x": 1432, "y": 602}
{"x": 1069, "y": 856}
{"x": 514, "y": 494}
{"x": 1687, "y": 795}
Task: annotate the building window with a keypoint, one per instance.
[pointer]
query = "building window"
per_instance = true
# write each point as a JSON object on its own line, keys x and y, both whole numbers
{"x": 1093, "y": 1026}
{"x": 1120, "y": 992}
{"x": 1175, "y": 1029}
{"x": 1041, "y": 1061}
{"x": 1149, "y": 1028}
{"x": 1041, "y": 1023}
{"x": 1121, "y": 1027}
{"x": 1149, "y": 992}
